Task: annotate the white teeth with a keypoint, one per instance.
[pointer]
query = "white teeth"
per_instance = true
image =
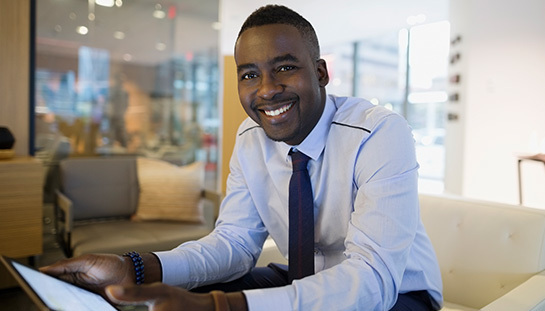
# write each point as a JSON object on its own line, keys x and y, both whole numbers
{"x": 278, "y": 111}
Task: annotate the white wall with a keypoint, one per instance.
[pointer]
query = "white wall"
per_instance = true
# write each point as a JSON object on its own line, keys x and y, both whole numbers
{"x": 502, "y": 99}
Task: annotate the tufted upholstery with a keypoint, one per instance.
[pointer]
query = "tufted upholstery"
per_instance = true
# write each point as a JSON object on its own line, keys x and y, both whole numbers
{"x": 485, "y": 250}
{"x": 491, "y": 255}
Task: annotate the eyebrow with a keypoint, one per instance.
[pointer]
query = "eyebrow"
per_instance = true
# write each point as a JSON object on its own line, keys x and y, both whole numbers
{"x": 282, "y": 58}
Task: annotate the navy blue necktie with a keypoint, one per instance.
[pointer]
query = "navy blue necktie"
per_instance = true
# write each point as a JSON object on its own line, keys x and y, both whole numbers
{"x": 301, "y": 219}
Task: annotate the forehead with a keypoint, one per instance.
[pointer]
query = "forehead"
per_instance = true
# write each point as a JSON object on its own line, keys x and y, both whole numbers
{"x": 269, "y": 41}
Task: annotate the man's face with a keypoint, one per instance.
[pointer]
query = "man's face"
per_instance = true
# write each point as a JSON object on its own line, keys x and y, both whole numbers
{"x": 280, "y": 86}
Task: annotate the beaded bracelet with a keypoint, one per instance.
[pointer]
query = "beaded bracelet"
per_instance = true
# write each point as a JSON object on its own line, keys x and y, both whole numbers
{"x": 220, "y": 301}
{"x": 138, "y": 266}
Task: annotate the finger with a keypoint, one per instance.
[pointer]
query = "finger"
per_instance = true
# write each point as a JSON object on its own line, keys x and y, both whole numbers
{"x": 66, "y": 266}
{"x": 132, "y": 294}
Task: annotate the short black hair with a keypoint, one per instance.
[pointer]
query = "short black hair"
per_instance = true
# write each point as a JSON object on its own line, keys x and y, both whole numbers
{"x": 279, "y": 14}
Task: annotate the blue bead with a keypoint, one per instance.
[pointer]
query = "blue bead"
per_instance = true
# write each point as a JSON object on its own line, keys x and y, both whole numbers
{"x": 138, "y": 263}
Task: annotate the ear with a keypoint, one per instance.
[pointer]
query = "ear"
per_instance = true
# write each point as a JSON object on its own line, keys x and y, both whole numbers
{"x": 323, "y": 75}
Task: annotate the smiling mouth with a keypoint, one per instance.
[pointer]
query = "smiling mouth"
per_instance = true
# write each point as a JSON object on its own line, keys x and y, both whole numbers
{"x": 279, "y": 111}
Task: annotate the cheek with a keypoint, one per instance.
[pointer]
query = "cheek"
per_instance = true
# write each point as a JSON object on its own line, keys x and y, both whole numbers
{"x": 246, "y": 99}
{"x": 306, "y": 82}
{"x": 306, "y": 90}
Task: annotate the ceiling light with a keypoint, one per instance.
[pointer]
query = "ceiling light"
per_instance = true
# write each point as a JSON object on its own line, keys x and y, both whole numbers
{"x": 216, "y": 25}
{"x": 118, "y": 3}
{"x": 159, "y": 14}
{"x": 91, "y": 16}
{"x": 107, "y": 3}
{"x": 82, "y": 30}
{"x": 160, "y": 46}
{"x": 120, "y": 35}
{"x": 127, "y": 57}
{"x": 58, "y": 28}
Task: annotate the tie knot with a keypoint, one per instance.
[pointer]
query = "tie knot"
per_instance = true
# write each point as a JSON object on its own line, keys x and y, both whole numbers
{"x": 299, "y": 160}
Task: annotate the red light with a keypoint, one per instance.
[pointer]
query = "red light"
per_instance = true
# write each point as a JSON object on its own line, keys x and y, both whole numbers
{"x": 171, "y": 12}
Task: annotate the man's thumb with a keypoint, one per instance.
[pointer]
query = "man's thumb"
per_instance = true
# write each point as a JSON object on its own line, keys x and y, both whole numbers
{"x": 131, "y": 294}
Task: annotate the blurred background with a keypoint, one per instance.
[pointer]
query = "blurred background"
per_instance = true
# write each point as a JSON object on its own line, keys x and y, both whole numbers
{"x": 142, "y": 77}
{"x": 147, "y": 77}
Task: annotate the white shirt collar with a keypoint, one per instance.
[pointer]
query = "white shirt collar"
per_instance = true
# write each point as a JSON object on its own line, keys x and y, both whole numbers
{"x": 314, "y": 144}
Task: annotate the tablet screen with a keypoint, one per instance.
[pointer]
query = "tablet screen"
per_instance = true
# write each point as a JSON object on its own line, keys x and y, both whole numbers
{"x": 59, "y": 295}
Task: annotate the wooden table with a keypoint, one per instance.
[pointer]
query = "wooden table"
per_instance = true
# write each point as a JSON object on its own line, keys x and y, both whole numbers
{"x": 21, "y": 183}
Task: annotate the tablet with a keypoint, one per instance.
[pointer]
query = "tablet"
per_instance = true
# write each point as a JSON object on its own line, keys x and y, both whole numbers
{"x": 49, "y": 293}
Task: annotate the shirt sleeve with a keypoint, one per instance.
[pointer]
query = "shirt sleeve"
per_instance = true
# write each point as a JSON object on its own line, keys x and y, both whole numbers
{"x": 272, "y": 299}
{"x": 226, "y": 254}
{"x": 381, "y": 232}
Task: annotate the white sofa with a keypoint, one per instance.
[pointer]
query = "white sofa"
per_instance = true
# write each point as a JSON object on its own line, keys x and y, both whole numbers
{"x": 491, "y": 255}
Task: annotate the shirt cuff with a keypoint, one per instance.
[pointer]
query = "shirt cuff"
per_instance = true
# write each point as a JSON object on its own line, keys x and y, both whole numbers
{"x": 270, "y": 299}
{"x": 173, "y": 271}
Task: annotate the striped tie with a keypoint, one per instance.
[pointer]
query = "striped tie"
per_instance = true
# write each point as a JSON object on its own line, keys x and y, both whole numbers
{"x": 301, "y": 220}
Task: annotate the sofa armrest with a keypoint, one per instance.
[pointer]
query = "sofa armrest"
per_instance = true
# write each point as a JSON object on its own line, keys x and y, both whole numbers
{"x": 65, "y": 215}
{"x": 66, "y": 207}
{"x": 215, "y": 198}
{"x": 527, "y": 296}
{"x": 270, "y": 254}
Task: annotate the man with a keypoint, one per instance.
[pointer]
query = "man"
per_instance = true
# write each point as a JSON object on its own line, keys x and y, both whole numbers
{"x": 370, "y": 248}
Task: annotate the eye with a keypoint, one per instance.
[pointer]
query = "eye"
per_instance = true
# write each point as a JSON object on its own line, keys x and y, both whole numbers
{"x": 248, "y": 76}
{"x": 285, "y": 68}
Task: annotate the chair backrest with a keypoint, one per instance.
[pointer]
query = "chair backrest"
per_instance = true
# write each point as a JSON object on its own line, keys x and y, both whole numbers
{"x": 100, "y": 187}
{"x": 484, "y": 249}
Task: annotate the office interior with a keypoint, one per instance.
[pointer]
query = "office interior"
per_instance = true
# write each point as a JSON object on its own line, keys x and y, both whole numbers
{"x": 466, "y": 74}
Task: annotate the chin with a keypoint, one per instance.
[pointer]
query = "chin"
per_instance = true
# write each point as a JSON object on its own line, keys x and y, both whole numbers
{"x": 278, "y": 138}
{"x": 279, "y": 135}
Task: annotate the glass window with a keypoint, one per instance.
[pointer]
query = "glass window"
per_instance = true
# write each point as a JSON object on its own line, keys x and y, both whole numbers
{"x": 135, "y": 77}
{"x": 407, "y": 73}
{"x": 340, "y": 67}
{"x": 427, "y": 96}
{"x": 379, "y": 71}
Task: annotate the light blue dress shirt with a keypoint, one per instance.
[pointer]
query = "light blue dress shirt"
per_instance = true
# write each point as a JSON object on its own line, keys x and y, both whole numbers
{"x": 370, "y": 243}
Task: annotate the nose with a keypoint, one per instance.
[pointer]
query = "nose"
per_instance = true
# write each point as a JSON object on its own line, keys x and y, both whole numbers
{"x": 269, "y": 87}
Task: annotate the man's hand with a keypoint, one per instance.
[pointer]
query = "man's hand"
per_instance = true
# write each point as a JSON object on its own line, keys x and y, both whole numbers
{"x": 160, "y": 297}
{"x": 94, "y": 272}
{"x": 113, "y": 277}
